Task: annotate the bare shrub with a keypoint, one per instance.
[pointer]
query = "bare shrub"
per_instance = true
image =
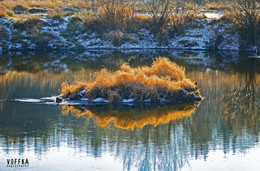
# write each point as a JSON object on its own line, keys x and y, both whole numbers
{"x": 117, "y": 37}
{"x": 116, "y": 17}
{"x": 159, "y": 10}
{"x": 27, "y": 22}
{"x": 245, "y": 14}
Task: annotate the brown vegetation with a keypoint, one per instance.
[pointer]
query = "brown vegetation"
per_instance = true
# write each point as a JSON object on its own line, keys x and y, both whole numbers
{"x": 163, "y": 79}
{"x": 216, "y": 6}
{"x": 160, "y": 11}
{"x": 170, "y": 18}
{"x": 27, "y": 22}
{"x": 112, "y": 20}
{"x": 4, "y": 12}
{"x": 32, "y": 3}
{"x": 115, "y": 20}
{"x": 58, "y": 14}
{"x": 245, "y": 14}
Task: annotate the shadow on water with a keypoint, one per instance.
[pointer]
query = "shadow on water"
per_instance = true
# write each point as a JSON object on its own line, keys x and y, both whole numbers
{"x": 152, "y": 137}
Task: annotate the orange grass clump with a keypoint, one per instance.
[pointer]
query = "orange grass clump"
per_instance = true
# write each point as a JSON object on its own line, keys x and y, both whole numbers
{"x": 131, "y": 119}
{"x": 4, "y": 12}
{"x": 163, "y": 79}
{"x": 32, "y": 3}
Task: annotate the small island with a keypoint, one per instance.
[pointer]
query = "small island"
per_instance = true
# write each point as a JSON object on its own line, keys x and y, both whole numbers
{"x": 163, "y": 82}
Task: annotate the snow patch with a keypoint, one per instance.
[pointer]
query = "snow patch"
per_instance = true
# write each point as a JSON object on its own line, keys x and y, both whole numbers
{"x": 84, "y": 99}
{"x": 211, "y": 15}
{"x": 128, "y": 100}
{"x": 28, "y": 100}
{"x": 100, "y": 100}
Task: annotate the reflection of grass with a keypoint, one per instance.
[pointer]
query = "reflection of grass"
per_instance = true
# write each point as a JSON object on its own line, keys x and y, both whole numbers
{"x": 162, "y": 80}
{"x": 130, "y": 117}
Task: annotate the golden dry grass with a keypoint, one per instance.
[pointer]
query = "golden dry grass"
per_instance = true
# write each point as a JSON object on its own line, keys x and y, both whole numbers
{"x": 192, "y": 7}
{"x": 163, "y": 76}
{"x": 32, "y": 3}
{"x": 116, "y": 17}
{"x": 26, "y": 17}
{"x": 238, "y": 17}
{"x": 143, "y": 17}
{"x": 116, "y": 10}
{"x": 59, "y": 13}
{"x": 48, "y": 4}
{"x": 4, "y": 12}
{"x": 217, "y": 6}
{"x": 131, "y": 119}
{"x": 81, "y": 4}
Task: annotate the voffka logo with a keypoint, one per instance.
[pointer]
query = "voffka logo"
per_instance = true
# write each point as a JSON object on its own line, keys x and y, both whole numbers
{"x": 17, "y": 163}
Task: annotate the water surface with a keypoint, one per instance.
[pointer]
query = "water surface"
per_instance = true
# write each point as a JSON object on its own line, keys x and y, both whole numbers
{"x": 222, "y": 132}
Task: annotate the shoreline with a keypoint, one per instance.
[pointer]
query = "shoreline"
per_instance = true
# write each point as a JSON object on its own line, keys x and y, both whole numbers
{"x": 72, "y": 34}
{"x": 113, "y": 49}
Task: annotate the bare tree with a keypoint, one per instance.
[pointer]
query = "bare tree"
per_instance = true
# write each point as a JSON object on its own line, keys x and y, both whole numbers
{"x": 159, "y": 11}
{"x": 245, "y": 14}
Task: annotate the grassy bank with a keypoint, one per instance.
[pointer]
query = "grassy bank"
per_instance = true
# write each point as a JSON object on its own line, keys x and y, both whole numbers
{"x": 48, "y": 25}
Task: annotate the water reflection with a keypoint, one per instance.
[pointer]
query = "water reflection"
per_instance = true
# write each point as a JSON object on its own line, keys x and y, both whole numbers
{"x": 227, "y": 119}
{"x": 15, "y": 84}
{"x": 243, "y": 103}
{"x": 231, "y": 109}
{"x": 131, "y": 117}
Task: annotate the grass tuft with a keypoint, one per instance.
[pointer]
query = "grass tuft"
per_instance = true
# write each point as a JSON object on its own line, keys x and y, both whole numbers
{"x": 5, "y": 13}
{"x": 27, "y": 22}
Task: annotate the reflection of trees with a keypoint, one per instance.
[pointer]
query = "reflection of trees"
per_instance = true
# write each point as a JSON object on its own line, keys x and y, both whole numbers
{"x": 96, "y": 60}
{"x": 228, "y": 117}
{"x": 23, "y": 126}
{"x": 57, "y": 63}
{"x": 242, "y": 105}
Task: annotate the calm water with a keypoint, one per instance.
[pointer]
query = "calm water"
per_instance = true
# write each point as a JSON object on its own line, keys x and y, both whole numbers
{"x": 221, "y": 133}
